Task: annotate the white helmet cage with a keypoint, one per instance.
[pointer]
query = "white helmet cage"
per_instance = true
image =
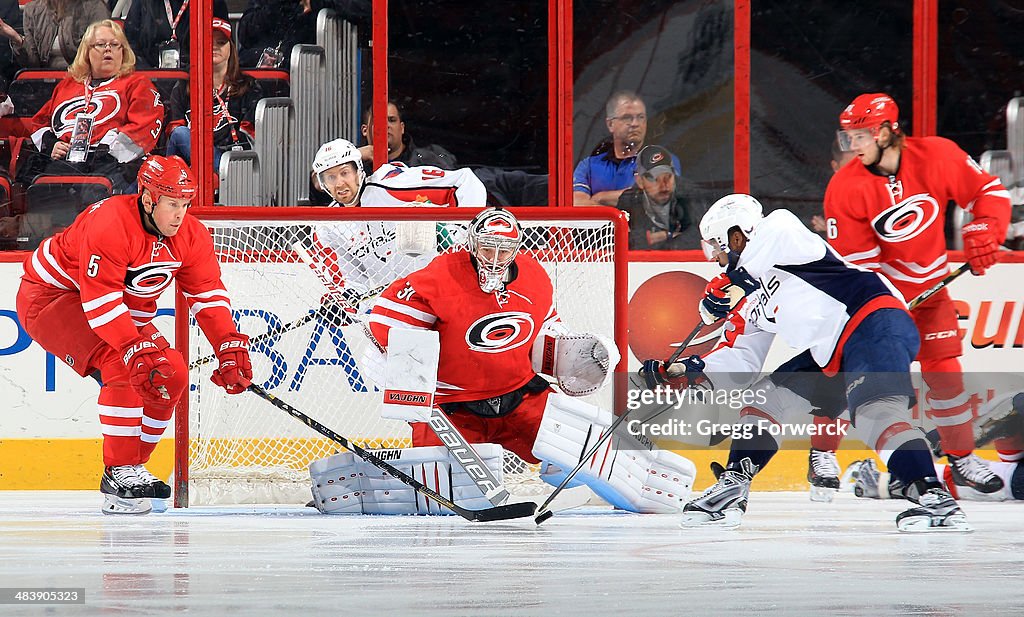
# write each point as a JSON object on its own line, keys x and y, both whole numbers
{"x": 736, "y": 210}
{"x": 334, "y": 153}
{"x": 498, "y": 231}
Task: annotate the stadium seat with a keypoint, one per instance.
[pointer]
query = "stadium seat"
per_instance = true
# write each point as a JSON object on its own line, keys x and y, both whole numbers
{"x": 53, "y": 202}
{"x": 274, "y": 82}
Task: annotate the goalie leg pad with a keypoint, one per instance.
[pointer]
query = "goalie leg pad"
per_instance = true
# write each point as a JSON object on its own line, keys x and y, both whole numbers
{"x": 346, "y": 484}
{"x": 627, "y": 472}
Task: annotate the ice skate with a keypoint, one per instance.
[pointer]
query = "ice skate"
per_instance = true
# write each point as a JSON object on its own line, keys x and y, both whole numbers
{"x": 823, "y": 474}
{"x": 160, "y": 489}
{"x": 936, "y": 510}
{"x": 124, "y": 491}
{"x": 723, "y": 504}
{"x": 973, "y": 472}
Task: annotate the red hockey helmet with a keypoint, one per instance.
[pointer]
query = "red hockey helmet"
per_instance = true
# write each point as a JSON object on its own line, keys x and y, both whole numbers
{"x": 167, "y": 175}
{"x": 870, "y": 111}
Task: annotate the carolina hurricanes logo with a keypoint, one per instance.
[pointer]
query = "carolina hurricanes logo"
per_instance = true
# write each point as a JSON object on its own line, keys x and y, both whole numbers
{"x": 150, "y": 280}
{"x": 500, "y": 332}
{"x": 103, "y": 106}
{"x": 906, "y": 219}
{"x": 499, "y": 227}
{"x": 657, "y": 157}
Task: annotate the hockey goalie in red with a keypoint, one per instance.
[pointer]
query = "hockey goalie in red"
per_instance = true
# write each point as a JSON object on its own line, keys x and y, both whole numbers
{"x": 886, "y": 212}
{"x": 89, "y": 295}
{"x": 497, "y": 331}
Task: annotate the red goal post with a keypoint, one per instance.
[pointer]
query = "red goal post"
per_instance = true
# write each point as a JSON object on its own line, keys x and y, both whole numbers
{"x": 238, "y": 449}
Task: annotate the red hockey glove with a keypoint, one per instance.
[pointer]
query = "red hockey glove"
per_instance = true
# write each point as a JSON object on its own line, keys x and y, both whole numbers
{"x": 717, "y": 300}
{"x": 148, "y": 368}
{"x": 235, "y": 371}
{"x": 981, "y": 247}
{"x": 150, "y": 332}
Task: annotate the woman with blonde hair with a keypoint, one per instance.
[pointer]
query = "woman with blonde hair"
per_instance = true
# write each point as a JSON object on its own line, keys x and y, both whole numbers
{"x": 53, "y": 31}
{"x": 102, "y": 119}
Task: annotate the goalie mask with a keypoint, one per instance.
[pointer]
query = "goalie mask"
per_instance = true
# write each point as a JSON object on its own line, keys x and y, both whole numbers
{"x": 494, "y": 239}
{"x": 329, "y": 167}
{"x": 736, "y": 210}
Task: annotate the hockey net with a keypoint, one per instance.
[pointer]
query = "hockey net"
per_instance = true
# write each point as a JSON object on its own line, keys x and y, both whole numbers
{"x": 240, "y": 449}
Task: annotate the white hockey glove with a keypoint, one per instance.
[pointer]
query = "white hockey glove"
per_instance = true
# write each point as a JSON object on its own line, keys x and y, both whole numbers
{"x": 582, "y": 363}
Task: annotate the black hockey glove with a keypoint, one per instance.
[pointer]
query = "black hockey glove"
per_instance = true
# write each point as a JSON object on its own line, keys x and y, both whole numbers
{"x": 681, "y": 374}
{"x": 334, "y": 313}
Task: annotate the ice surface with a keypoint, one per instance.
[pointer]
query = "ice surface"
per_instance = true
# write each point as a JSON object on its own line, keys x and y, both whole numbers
{"x": 790, "y": 557}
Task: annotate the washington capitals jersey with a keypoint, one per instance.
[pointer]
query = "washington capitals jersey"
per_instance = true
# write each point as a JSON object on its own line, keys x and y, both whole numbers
{"x": 129, "y": 105}
{"x": 895, "y": 224}
{"x": 809, "y": 296}
{"x": 486, "y": 338}
{"x": 362, "y": 256}
{"x": 119, "y": 270}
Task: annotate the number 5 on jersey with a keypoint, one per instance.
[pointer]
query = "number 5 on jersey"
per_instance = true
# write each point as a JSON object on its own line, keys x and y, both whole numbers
{"x": 94, "y": 266}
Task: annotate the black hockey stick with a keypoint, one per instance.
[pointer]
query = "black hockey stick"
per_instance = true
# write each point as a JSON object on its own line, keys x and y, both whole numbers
{"x": 497, "y": 513}
{"x": 543, "y": 513}
{"x": 928, "y": 293}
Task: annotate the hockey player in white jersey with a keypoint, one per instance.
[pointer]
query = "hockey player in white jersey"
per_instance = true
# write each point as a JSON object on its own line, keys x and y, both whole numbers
{"x": 363, "y": 256}
{"x": 857, "y": 341}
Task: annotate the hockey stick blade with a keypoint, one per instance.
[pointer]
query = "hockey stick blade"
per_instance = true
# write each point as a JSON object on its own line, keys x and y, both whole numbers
{"x": 928, "y": 293}
{"x": 497, "y": 513}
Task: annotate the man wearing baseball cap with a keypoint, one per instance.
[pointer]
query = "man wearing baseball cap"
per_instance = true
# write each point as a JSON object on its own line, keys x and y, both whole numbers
{"x": 659, "y": 217}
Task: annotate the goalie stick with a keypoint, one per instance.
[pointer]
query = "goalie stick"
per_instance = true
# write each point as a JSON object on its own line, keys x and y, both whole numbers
{"x": 497, "y": 513}
{"x": 439, "y": 422}
{"x": 543, "y": 513}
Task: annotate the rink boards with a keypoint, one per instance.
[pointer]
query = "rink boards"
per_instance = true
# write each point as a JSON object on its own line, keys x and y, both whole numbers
{"x": 49, "y": 429}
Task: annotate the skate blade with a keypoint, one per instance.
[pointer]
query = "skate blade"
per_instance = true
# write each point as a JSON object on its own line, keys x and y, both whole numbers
{"x": 926, "y": 524}
{"x": 822, "y": 494}
{"x": 728, "y": 519}
{"x": 113, "y": 504}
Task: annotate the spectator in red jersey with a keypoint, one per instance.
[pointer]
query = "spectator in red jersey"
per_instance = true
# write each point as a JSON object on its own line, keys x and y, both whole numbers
{"x": 103, "y": 118}
{"x": 886, "y": 212}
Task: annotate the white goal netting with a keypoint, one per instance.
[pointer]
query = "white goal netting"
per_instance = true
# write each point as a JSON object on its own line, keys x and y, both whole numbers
{"x": 240, "y": 448}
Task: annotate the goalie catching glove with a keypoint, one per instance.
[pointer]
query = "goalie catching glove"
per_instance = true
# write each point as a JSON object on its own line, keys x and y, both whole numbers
{"x": 234, "y": 373}
{"x": 681, "y": 374}
{"x": 582, "y": 363}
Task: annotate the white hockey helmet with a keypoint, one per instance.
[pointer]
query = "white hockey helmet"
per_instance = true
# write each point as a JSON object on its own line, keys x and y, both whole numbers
{"x": 338, "y": 152}
{"x": 736, "y": 210}
{"x": 494, "y": 240}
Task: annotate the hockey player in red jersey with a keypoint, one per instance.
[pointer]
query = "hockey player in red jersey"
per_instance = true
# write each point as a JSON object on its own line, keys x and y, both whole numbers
{"x": 88, "y": 296}
{"x": 887, "y": 213}
{"x": 498, "y": 329}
